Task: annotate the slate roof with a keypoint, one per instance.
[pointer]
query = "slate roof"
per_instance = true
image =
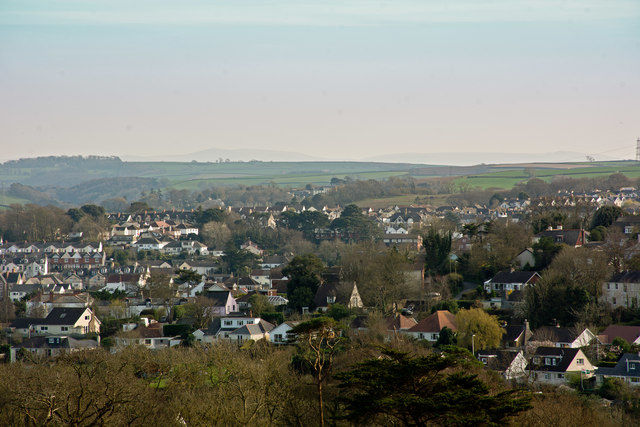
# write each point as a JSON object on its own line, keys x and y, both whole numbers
{"x": 64, "y": 342}
{"x": 219, "y": 298}
{"x": 569, "y": 236}
{"x": 62, "y": 316}
{"x": 626, "y": 277}
{"x": 25, "y": 322}
{"x": 620, "y": 370}
{"x": 252, "y": 329}
{"x": 435, "y": 322}
{"x": 513, "y": 332}
{"x": 567, "y": 355}
{"x": 555, "y": 334}
{"x": 498, "y": 360}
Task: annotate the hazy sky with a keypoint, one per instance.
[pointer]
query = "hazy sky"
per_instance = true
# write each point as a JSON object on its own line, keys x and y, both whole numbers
{"x": 342, "y": 79}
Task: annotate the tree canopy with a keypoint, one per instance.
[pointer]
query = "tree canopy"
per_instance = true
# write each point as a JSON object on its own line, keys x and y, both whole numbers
{"x": 402, "y": 389}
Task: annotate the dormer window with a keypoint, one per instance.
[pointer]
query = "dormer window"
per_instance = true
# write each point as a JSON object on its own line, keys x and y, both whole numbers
{"x": 331, "y": 299}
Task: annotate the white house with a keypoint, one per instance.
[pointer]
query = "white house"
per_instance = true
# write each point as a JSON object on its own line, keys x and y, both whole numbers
{"x": 280, "y": 334}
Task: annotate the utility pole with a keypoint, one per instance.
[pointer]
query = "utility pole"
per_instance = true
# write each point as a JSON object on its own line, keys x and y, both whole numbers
{"x": 638, "y": 150}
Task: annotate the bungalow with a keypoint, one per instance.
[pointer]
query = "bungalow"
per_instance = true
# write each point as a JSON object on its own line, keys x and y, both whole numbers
{"x": 509, "y": 281}
{"x": 150, "y": 336}
{"x": 399, "y": 323}
{"x": 429, "y": 328}
{"x": 280, "y": 334}
{"x": 551, "y": 365}
{"x": 252, "y": 332}
{"x": 223, "y": 327}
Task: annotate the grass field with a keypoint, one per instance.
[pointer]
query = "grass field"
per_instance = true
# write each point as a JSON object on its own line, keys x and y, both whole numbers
{"x": 288, "y": 180}
{"x": 506, "y": 179}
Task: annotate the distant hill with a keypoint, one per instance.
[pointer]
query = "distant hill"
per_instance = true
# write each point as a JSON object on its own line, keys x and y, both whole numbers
{"x": 475, "y": 158}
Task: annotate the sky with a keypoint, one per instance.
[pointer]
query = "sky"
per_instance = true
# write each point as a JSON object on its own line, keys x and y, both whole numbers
{"x": 331, "y": 79}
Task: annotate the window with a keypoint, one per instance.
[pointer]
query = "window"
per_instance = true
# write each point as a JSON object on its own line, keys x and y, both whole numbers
{"x": 240, "y": 322}
{"x": 635, "y": 380}
{"x": 608, "y": 285}
{"x": 87, "y": 317}
{"x": 613, "y": 300}
{"x": 624, "y": 287}
{"x": 560, "y": 375}
{"x": 434, "y": 336}
{"x": 228, "y": 323}
{"x": 547, "y": 376}
{"x": 44, "y": 328}
{"x": 580, "y": 361}
{"x": 277, "y": 338}
{"x": 147, "y": 341}
{"x": 632, "y": 366}
{"x": 64, "y": 328}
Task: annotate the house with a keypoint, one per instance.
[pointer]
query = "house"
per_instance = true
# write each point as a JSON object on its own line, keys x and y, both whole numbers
{"x": 627, "y": 369}
{"x": 60, "y": 321}
{"x": 563, "y": 337}
{"x": 331, "y": 293}
{"x": 571, "y": 237}
{"x": 622, "y": 290}
{"x": 630, "y": 334}
{"x": 252, "y": 332}
{"x": 516, "y": 336}
{"x": 150, "y": 335}
{"x": 509, "y": 281}
{"x": 150, "y": 244}
{"x": 429, "y": 328}
{"x": 551, "y": 365}
{"x": 280, "y": 334}
{"x": 399, "y": 323}
{"x": 223, "y": 327}
{"x": 127, "y": 282}
{"x": 222, "y": 303}
{"x": 511, "y": 364}
{"x": 526, "y": 258}
{"x": 18, "y": 292}
{"x": 251, "y": 247}
{"x": 51, "y": 346}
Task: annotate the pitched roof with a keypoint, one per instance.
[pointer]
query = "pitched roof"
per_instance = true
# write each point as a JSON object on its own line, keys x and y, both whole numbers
{"x": 63, "y": 316}
{"x": 566, "y": 354}
{"x": 626, "y": 277}
{"x": 435, "y": 322}
{"x": 629, "y": 333}
{"x": 498, "y": 360}
{"x": 400, "y": 322}
{"x": 556, "y": 334}
{"x": 620, "y": 370}
{"x": 513, "y": 276}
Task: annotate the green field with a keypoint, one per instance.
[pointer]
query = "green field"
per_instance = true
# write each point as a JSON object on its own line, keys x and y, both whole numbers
{"x": 506, "y": 179}
{"x": 289, "y": 180}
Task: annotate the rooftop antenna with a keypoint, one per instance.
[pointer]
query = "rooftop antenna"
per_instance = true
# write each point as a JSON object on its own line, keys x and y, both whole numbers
{"x": 638, "y": 150}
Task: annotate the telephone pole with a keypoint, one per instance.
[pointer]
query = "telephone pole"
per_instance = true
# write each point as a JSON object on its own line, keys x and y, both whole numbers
{"x": 638, "y": 150}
